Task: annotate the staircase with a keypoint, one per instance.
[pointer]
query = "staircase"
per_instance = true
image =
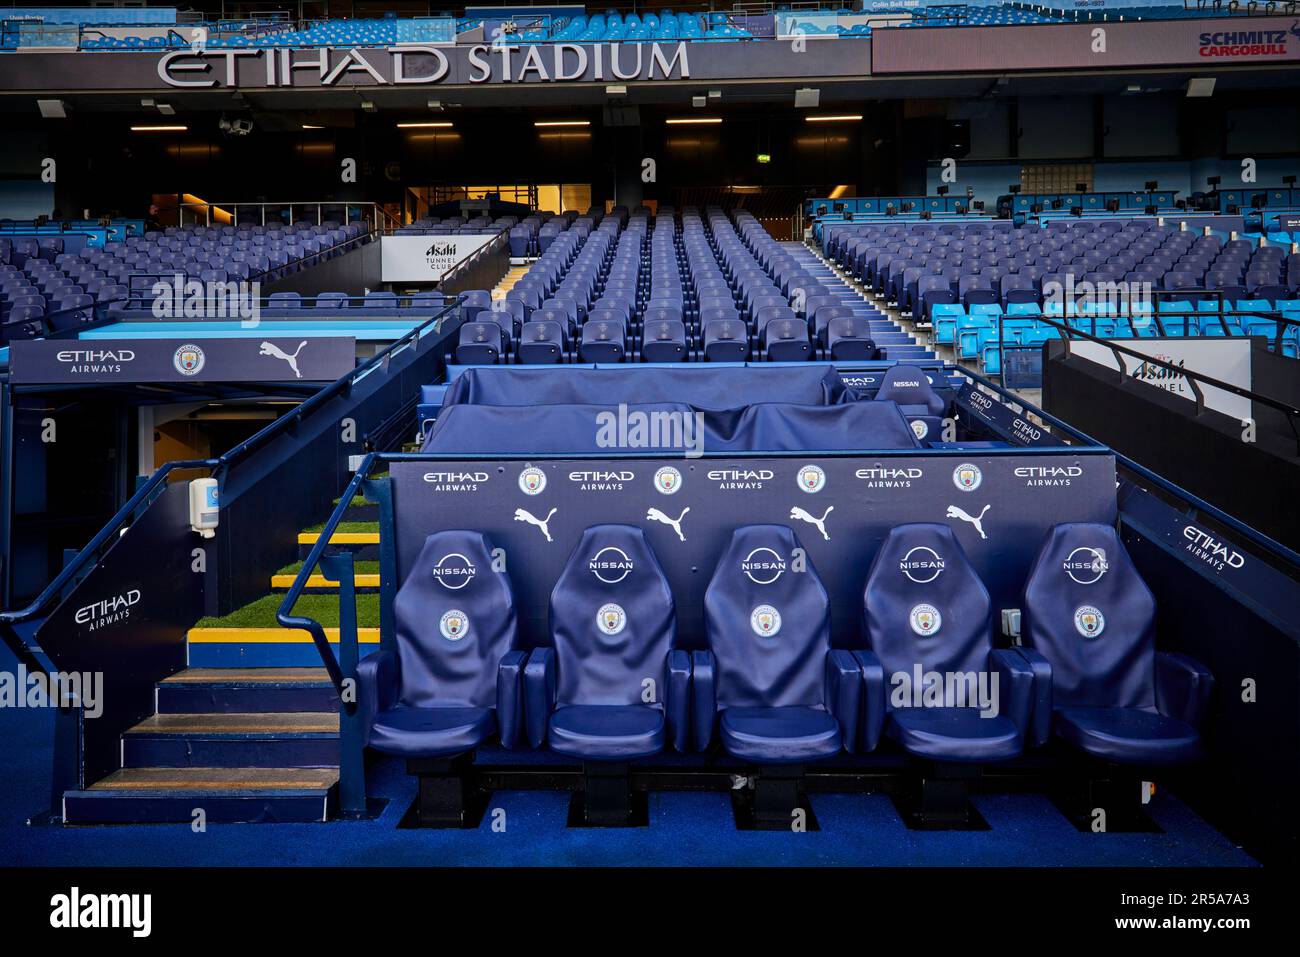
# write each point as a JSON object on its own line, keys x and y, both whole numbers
{"x": 885, "y": 332}
{"x": 250, "y": 730}
{"x": 512, "y": 276}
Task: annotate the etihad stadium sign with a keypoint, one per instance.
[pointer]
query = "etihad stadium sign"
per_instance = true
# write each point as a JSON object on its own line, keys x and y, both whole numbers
{"x": 411, "y": 64}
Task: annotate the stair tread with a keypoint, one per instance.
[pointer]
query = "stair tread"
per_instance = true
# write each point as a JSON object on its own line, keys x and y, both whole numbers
{"x": 218, "y": 779}
{"x": 248, "y": 676}
{"x": 341, "y": 538}
{"x": 364, "y": 580}
{"x": 289, "y": 722}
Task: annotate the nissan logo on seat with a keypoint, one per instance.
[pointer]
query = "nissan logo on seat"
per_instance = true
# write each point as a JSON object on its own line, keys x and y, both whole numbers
{"x": 454, "y": 571}
{"x": 763, "y": 566}
{"x": 611, "y": 565}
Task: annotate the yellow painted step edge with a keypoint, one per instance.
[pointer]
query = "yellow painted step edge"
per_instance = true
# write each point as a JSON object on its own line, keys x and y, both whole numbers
{"x": 341, "y": 538}
{"x": 272, "y": 636}
{"x": 320, "y": 581}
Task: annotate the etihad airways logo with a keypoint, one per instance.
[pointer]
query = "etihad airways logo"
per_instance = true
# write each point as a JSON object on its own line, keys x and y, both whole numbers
{"x": 94, "y": 361}
{"x": 1046, "y": 475}
{"x": 455, "y": 481}
{"x": 881, "y": 476}
{"x": 109, "y": 611}
{"x": 1211, "y": 550}
{"x": 602, "y": 481}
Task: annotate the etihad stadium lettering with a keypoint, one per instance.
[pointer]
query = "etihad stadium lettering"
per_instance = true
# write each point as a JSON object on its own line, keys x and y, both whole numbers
{"x": 413, "y": 64}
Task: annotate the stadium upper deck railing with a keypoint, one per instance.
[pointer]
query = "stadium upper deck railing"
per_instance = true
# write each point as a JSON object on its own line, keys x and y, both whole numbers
{"x": 374, "y": 215}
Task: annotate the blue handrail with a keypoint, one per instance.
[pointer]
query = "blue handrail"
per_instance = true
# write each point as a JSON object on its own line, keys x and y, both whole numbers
{"x": 219, "y": 466}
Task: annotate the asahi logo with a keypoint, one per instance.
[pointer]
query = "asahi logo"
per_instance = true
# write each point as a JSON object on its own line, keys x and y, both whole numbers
{"x": 1212, "y": 551}
{"x": 1047, "y": 475}
{"x": 443, "y": 249}
{"x": 109, "y": 611}
{"x": 881, "y": 476}
{"x": 455, "y": 481}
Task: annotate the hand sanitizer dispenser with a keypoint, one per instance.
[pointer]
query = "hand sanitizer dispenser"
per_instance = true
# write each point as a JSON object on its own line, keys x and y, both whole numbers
{"x": 205, "y": 506}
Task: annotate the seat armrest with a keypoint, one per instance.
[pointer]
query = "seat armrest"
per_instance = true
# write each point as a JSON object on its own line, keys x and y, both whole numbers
{"x": 539, "y": 693}
{"x": 677, "y": 702}
{"x": 510, "y": 696}
{"x": 377, "y": 681}
{"x": 1015, "y": 695}
{"x": 1183, "y": 687}
{"x": 704, "y": 697}
{"x": 844, "y": 694}
{"x": 1041, "y": 722}
{"x": 873, "y": 699}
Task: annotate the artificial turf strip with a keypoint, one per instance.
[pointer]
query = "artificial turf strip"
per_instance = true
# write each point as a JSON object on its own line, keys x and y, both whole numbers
{"x": 346, "y": 527}
{"x": 323, "y": 608}
{"x": 368, "y": 567}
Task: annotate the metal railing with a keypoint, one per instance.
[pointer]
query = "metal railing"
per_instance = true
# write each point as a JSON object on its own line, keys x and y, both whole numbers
{"x": 1194, "y": 379}
{"x": 373, "y": 215}
{"x": 217, "y": 466}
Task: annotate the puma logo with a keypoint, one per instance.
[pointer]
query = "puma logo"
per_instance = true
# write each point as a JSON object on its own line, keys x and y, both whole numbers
{"x": 804, "y": 516}
{"x": 523, "y": 515}
{"x": 655, "y": 515}
{"x": 956, "y": 512}
{"x": 275, "y": 352}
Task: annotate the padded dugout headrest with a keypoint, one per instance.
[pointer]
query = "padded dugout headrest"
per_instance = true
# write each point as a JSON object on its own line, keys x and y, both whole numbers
{"x": 924, "y": 604}
{"x": 613, "y": 618}
{"x": 455, "y": 618}
{"x": 1089, "y": 612}
{"x": 767, "y": 617}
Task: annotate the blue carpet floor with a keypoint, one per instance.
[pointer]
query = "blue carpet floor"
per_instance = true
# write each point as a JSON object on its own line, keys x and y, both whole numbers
{"x": 685, "y": 829}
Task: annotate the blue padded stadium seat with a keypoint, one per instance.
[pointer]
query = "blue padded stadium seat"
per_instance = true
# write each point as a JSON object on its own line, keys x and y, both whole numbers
{"x": 475, "y": 301}
{"x": 1089, "y": 624}
{"x": 770, "y": 682}
{"x": 664, "y": 340}
{"x": 455, "y": 677}
{"x": 927, "y": 612}
{"x": 910, "y": 388}
{"x": 541, "y": 342}
{"x": 726, "y": 340}
{"x": 603, "y": 340}
{"x": 849, "y": 338}
{"x": 613, "y": 625}
{"x": 479, "y": 344}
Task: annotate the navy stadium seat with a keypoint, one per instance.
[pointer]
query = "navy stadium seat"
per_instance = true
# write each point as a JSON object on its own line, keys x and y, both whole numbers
{"x": 910, "y": 388}
{"x": 926, "y": 612}
{"x": 612, "y": 688}
{"x": 455, "y": 677}
{"x": 770, "y": 687}
{"x": 1089, "y": 623}
{"x": 479, "y": 344}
